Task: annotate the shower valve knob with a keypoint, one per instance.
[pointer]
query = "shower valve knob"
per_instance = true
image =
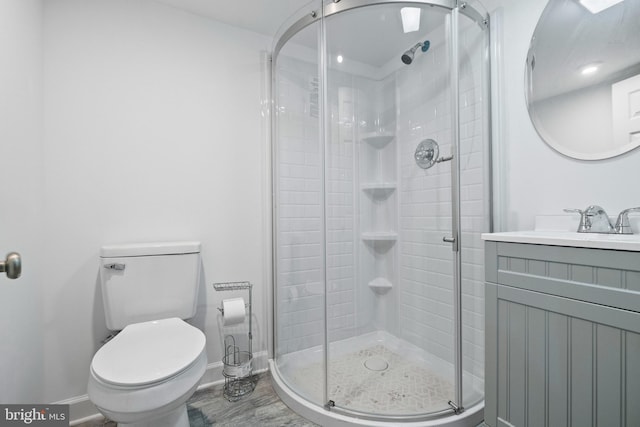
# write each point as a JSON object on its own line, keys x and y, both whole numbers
{"x": 426, "y": 154}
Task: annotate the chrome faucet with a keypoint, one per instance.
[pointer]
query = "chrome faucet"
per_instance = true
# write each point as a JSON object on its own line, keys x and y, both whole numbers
{"x": 622, "y": 223}
{"x": 594, "y": 219}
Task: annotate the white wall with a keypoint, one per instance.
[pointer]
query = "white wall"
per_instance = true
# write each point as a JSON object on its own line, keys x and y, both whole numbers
{"x": 153, "y": 132}
{"x": 21, "y": 358}
{"x": 536, "y": 179}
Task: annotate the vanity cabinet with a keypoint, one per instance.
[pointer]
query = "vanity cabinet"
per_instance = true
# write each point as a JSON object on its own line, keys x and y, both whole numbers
{"x": 562, "y": 336}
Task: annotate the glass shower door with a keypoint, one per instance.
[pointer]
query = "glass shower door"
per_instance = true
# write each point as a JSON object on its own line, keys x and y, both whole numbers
{"x": 378, "y": 278}
{"x": 298, "y": 158}
{"x": 475, "y": 208}
{"x": 390, "y": 315}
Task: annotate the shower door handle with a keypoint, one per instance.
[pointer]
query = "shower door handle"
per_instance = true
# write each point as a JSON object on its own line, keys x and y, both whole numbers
{"x": 453, "y": 241}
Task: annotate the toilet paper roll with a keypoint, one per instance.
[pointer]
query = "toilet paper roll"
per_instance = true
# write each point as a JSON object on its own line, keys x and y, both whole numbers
{"x": 234, "y": 311}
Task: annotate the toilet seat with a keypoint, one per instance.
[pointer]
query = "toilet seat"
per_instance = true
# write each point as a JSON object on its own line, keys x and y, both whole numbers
{"x": 148, "y": 353}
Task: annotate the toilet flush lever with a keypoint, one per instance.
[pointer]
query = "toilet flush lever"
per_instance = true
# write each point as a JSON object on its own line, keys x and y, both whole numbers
{"x": 115, "y": 266}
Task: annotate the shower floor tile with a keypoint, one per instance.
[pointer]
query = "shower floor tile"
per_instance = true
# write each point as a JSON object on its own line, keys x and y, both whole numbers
{"x": 404, "y": 387}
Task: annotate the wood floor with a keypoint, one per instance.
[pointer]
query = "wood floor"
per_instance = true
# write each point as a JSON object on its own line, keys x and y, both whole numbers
{"x": 262, "y": 408}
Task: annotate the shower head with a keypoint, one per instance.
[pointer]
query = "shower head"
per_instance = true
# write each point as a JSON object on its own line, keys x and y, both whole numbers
{"x": 407, "y": 57}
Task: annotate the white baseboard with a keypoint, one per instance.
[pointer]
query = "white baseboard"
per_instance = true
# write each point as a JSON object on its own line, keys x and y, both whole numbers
{"x": 82, "y": 410}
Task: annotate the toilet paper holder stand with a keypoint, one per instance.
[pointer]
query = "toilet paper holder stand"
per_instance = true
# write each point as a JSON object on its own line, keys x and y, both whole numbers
{"x": 239, "y": 380}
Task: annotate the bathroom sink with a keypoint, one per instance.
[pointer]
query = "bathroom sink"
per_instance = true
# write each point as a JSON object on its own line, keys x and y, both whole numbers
{"x": 629, "y": 242}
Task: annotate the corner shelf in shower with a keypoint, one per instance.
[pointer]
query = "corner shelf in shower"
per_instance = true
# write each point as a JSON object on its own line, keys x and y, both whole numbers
{"x": 380, "y": 285}
{"x": 377, "y": 139}
{"x": 379, "y": 236}
{"x": 378, "y": 189}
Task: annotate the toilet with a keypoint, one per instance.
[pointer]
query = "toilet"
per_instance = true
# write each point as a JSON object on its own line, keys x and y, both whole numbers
{"x": 147, "y": 372}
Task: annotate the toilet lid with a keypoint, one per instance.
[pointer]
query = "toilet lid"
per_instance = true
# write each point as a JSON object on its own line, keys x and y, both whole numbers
{"x": 148, "y": 352}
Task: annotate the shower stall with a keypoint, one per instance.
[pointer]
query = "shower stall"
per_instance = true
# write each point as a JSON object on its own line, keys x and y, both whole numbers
{"x": 381, "y": 189}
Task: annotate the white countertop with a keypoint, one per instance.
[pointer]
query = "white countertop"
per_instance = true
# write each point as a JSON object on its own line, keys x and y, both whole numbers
{"x": 629, "y": 242}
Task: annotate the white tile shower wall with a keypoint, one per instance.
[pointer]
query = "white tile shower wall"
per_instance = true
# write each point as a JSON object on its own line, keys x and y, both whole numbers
{"x": 341, "y": 297}
{"x": 298, "y": 210}
{"x": 423, "y": 97}
{"x": 300, "y": 251}
{"x": 426, "y": 311}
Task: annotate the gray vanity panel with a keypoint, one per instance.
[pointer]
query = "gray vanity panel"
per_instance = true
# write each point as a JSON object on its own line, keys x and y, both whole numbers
{"x": 502, "y": 370}
{"x": 632, "y": 281}
{"x": 503, "y": 264}
{"x": 559, "y": 271}
{"x": 581, "y": 373}
{"x": 607, "y": 385}
{"x": 606, "y": 258}
{"x": 558, "y": 370}
{"x": 491, "y": 262}
{"x": 613, "y": 297}
{"x": 609, "y": 277}
{"x": 491, "y": 345}
{"x": 517, "y": 265}
{"x": 537, "y": 268}
{"x": 581, "y": 273}
{"x": 562, "y": 370}
{"x": 516, "y": 364}
{"x": 632, "y": 377}
{"x": 562, "y": 336}
{"x": 536, "y": 366}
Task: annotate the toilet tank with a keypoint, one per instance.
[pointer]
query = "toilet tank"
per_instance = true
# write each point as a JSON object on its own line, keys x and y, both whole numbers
{"x": 149, "y": 281}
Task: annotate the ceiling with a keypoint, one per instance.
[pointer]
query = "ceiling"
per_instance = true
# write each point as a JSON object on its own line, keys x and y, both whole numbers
{"x": 371, "y": 36}
{"x": 261, "y": 16}
{"x": 374, "y": 35}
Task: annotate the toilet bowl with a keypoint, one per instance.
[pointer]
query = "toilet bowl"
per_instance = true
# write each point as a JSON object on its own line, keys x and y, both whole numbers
{"x": 144, "y": 376}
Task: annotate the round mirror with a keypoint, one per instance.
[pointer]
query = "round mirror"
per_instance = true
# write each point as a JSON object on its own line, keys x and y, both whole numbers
{"x": 583, "y": 77}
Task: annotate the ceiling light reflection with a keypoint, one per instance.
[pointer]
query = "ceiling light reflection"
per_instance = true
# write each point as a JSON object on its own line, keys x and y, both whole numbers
{"x": 597, "y": 6}
{"x": 410, "y": 19}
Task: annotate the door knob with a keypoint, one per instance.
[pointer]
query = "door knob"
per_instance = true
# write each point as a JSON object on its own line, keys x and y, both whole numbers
{"x": 12, "y": 265}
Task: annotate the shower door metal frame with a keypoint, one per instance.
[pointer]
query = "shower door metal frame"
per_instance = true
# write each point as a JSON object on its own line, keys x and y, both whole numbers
{"x": 455, "y": 212}
{"x": 456, "y": 7}
{"x": 291, "y": 31}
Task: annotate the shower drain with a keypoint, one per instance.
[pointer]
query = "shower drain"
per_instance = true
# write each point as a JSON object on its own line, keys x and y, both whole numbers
{"x": 376, "y": 363}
